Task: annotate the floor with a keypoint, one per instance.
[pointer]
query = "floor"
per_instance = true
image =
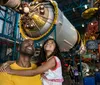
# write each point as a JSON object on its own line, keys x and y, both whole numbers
{"x": 68, "y": 82}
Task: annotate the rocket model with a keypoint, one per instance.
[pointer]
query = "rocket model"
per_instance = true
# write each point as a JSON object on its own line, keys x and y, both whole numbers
{"x": 38, "y": 18}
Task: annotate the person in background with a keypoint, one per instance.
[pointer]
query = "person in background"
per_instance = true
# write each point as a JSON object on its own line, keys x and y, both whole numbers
{"x": 76, "y": 75}
{"x": 23, "y": 63}
{"x": 71, "y": 74}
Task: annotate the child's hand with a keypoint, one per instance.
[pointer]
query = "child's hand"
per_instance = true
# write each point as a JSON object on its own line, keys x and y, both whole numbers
{"x": 3, "y": 67}
{"x": 8, "y": 70}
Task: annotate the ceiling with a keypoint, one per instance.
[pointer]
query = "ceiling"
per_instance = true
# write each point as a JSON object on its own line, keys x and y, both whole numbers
{"x": 73, "y": 9}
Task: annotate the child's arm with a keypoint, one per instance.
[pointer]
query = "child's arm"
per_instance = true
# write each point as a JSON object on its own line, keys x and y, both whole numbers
{"x": 10, "y": 62}
{"x": 5, "y": 65}
{"x": 41, "y": 69}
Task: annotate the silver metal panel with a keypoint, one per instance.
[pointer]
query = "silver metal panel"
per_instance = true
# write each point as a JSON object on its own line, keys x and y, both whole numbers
{"x": 66, "y": 33}
{"x": 1, "y": 26}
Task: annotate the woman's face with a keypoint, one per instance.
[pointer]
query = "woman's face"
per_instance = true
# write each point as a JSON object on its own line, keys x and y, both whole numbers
{"x": 49, "y": 46}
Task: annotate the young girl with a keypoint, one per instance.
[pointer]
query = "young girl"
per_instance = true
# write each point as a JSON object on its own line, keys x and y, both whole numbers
{"x": 51, "y": 68}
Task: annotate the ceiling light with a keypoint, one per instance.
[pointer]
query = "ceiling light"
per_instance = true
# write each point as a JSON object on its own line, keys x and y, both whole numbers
{"x": 82, "y": 25}
{"x": 73, "y": 9}
{"x": 91, "y": 23}
{"x": 85, "y": 6}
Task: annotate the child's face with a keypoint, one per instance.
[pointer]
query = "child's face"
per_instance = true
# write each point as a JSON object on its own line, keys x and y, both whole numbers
{"x": 49, "y": 46}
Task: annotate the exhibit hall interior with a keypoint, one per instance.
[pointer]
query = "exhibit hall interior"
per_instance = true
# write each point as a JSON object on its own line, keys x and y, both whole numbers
{"x": 73, "y": 24}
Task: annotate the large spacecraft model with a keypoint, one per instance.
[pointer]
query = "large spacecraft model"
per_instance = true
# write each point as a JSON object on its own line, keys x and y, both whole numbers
{"x": 38, "y": 18}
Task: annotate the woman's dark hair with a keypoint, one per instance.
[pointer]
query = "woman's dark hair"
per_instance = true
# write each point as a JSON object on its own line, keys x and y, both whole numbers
{"x": 56, "y": 52}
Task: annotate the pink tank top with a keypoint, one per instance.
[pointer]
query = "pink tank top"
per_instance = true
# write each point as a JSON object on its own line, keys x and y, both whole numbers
{"x": 54, "y": 75}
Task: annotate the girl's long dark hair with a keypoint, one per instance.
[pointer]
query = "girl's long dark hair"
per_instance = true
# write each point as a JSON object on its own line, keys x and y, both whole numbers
{"x": 56, "y": 52}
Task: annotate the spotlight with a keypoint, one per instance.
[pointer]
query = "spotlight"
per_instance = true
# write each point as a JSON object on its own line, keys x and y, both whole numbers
{"x": 91, "y": 23}
{"x": 74, "y": 10}
{"x": 85, "y": 6}
{"x": 82, "y": 25}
